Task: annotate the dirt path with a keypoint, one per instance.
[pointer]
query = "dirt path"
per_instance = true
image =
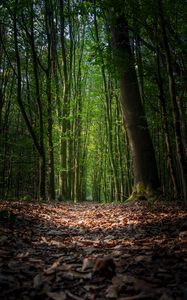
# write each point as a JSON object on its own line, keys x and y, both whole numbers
{"x": 91, "y": 251}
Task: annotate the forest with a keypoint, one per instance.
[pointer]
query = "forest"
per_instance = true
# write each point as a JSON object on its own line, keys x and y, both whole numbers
{"x": 93, "y": 150}
{"x": 93, "y": 100}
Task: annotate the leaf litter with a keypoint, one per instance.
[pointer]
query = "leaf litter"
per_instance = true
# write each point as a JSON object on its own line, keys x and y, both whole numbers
{"x": 90, "y": 251}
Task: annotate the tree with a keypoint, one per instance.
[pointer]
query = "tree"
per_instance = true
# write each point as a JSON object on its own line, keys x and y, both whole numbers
{"x": 51, "y": 61}
{"x": 142, "y": 150}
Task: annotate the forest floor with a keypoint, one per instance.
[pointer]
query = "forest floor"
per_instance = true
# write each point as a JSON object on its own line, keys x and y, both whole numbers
{"x": 90, "y": 251}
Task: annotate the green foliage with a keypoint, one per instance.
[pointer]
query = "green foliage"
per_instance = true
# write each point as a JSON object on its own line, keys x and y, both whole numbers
{"x": 88, "y": 130}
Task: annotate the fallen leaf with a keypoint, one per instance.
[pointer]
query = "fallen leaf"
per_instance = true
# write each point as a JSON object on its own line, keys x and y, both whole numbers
{"x": 37, "y": 281}
{"x": 57, "y": 295}
{"x": 88, "y": 263}
{"x": 104, "y": 266}
{"x": 112, "y": 292}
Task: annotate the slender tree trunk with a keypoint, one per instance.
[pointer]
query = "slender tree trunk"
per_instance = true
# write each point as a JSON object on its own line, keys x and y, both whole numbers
{"x": 38, "y": 145}
{"x": 108, "y": 100}
{"x": 51, "y": 58}
{"x": 182, "y": 111}
{"x": 65, "y": 108}
{"x": 170, "y": 159}
{"x": 142, "y": 151}
{"x": 42, "y": 154}
{"x": 51, "y": 193}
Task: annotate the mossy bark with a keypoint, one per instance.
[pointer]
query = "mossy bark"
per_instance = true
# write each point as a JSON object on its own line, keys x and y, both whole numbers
{"x": 142, "y": 192}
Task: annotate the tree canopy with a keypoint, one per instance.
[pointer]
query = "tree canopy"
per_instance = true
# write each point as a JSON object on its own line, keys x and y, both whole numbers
{"x": 93, "y": 99}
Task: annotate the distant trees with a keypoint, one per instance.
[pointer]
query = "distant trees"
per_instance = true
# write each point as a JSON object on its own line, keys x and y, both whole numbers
{"x": 177, "y": 120}
{"x": 68, "y": 130}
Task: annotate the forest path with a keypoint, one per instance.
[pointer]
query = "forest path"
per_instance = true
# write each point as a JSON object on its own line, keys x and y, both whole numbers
{"x": 90, "y": 251}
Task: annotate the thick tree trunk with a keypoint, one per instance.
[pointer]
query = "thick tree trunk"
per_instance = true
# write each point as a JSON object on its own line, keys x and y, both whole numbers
{"x": 142, "y": 151}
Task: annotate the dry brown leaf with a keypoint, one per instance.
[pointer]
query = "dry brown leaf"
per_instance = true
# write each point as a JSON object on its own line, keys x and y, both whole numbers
{"x": 90, "y": 296}
{"x": 88, "y": 263}
{"x": 105, "y": 266}
{"x": 57, "y": 295}
{"x": 72, "y": 296}
{"x": 112, "y": 292}
{"x": 141, "y": 258}
{"x": 54, "y": 266}
{"x": 37, "y": 281}
{"x": 23, "y": 254}
{"x": 76, "y": 275}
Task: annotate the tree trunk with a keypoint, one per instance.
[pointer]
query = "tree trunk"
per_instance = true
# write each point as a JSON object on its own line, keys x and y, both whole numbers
{"x": 51, "y": 57}
{"x": 108, "y": 100}
{"x": 142, "y": 151}
{"x": 170, "y": 159}
{"x": 38, "y": 145}
{"x": 65, "y": 108}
